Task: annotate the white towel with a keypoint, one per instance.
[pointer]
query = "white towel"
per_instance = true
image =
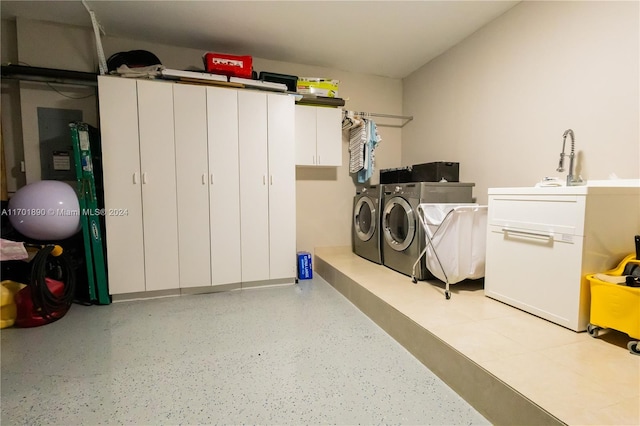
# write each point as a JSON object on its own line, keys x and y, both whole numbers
{"x": 151, "y": 71}
{"x": 357, "y": 141}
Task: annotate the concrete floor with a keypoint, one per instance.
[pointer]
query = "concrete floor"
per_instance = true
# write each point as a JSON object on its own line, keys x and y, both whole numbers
{"x": 294, "y": 354}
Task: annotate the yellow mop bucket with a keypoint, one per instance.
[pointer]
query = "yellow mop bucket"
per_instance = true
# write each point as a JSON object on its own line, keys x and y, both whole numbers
{"x": 8, "y": 308}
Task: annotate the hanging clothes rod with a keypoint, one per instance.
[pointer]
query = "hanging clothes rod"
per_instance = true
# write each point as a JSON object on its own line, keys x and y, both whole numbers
{"x": 405, "y": 118}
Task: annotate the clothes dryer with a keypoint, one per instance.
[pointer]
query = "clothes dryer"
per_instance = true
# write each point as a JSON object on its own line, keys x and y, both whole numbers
{"x": 403, "y": 237}
{"x": 366, "y": 223}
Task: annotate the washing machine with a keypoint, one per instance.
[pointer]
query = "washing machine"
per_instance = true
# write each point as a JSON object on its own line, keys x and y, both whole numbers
{"x": 366, "y": 223}
{"x": 403, "y": 237}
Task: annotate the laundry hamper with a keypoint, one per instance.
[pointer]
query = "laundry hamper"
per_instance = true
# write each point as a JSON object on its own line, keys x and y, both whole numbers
{"x": 456, "y": 241}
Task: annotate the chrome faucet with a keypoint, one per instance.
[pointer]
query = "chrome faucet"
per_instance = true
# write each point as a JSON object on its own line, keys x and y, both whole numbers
{"x": 571, "y": 179}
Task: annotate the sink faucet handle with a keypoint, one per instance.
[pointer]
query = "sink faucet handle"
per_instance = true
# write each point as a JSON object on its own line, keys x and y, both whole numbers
{"x": 561, "y": 163}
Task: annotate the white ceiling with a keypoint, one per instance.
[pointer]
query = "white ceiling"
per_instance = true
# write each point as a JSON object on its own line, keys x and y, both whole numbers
{"x": 387, "y": 38}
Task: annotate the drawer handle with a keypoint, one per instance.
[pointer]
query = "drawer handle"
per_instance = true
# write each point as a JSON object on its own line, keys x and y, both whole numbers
{"x": 534, "y": 234}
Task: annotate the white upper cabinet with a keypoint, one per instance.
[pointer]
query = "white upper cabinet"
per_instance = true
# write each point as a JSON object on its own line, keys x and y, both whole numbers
{"x": 318, "y": 136}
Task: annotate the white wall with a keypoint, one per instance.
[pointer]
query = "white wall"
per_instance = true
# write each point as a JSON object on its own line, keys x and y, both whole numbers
{"x": 324, "y": 195}
{"x": 499, "y": 102}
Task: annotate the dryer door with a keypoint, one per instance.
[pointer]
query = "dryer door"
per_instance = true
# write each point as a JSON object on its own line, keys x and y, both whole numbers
{"x": 398, "y": 223}
{"x": 364, "y": 214}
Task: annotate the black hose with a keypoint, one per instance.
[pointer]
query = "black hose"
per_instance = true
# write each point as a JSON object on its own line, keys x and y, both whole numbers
{"x": 56, "y": 267}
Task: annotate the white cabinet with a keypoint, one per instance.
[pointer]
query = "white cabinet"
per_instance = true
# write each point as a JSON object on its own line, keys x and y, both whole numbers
{"x": 318, "y": 136}
{"x": 140, "y": 178}
{"x": 158, "y": 167}
{"x": 206, "y": 128}
{"x": 542, "y": 242}
{"x": 224, "y": 178}
{"x": 254, "y": 192}
{"x": 207, "y": 175}
{"x": 192, "y": 175}
{"x": 122, "y": 189}
{"x": 282, "y": 187}
{"x": 267, "y": 186}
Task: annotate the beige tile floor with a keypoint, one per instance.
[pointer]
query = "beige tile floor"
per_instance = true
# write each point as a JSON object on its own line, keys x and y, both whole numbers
{"x": 578, "y": 379}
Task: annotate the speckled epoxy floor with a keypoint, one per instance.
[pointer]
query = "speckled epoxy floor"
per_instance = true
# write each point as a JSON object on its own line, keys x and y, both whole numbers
{"x": 295, "y": 354}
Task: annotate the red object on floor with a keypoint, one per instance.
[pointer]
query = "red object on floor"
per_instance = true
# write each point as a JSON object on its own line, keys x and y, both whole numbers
{"x": 28, "y": 316}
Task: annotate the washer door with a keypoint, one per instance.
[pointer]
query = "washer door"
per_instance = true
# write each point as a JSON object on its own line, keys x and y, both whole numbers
{"x": 398, "y": 223}
{"x": 364, "y": 214}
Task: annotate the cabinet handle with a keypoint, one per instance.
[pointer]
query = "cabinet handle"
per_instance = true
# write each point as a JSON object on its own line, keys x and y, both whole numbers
{"x": 271, "y": 179}
{"x": 135, "y": 178}
{"x": 319, "y": 162}
{"x": 204, "y": 179}
{"x": 211, "y": 178}
{"x": 264, "y": 179}
{"x": 144, "y": 177}
{"x": 530, "y": 233}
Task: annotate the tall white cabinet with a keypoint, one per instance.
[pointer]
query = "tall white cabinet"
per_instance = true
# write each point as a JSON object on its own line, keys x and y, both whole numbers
{"x": 122, "y": 187}
{"x": 139, "y": 178}
{"x": 157, "y": 161}
{"x": 267, "y": 186}
{"x": 207, "y": 175}
{"x": 192, "y": 173}
{"x": 224, "y": 178}
{"x": 282, "y": 187}
{"x": 206, "y": 133}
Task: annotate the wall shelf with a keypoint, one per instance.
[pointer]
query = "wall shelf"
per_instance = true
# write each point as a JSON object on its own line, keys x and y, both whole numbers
{"x": 49, "y": 75}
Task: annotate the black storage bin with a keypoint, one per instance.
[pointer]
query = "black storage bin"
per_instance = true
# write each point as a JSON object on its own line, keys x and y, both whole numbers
{"x": 290, "y": 80}
{"x": 397, "y": 175}
{"x": 436, "y": 172}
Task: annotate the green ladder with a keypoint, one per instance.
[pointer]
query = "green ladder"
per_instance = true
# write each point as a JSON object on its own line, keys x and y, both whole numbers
{"x": 90, "y": 214}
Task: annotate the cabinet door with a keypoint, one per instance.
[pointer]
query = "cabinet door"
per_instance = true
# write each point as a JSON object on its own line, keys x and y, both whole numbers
{"x": 254, "y": 195}
{"x": 157, "y": 159}
{"x": 536, "y": 273}
{"x": 192, "y": 183}
{"x": 282, "y": 187}
{"x": 121, "y": 164}
{"x": 305, "y": 135}
{"x": 224, "y": 210}
{"x": 329, "y": 136}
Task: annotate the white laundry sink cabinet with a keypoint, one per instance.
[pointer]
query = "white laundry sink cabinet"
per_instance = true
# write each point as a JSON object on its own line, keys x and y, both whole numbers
{"x": 542, "y": 242}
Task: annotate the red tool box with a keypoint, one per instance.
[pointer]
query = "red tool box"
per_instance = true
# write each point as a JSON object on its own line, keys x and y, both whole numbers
{"x": 231, "y": 65}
